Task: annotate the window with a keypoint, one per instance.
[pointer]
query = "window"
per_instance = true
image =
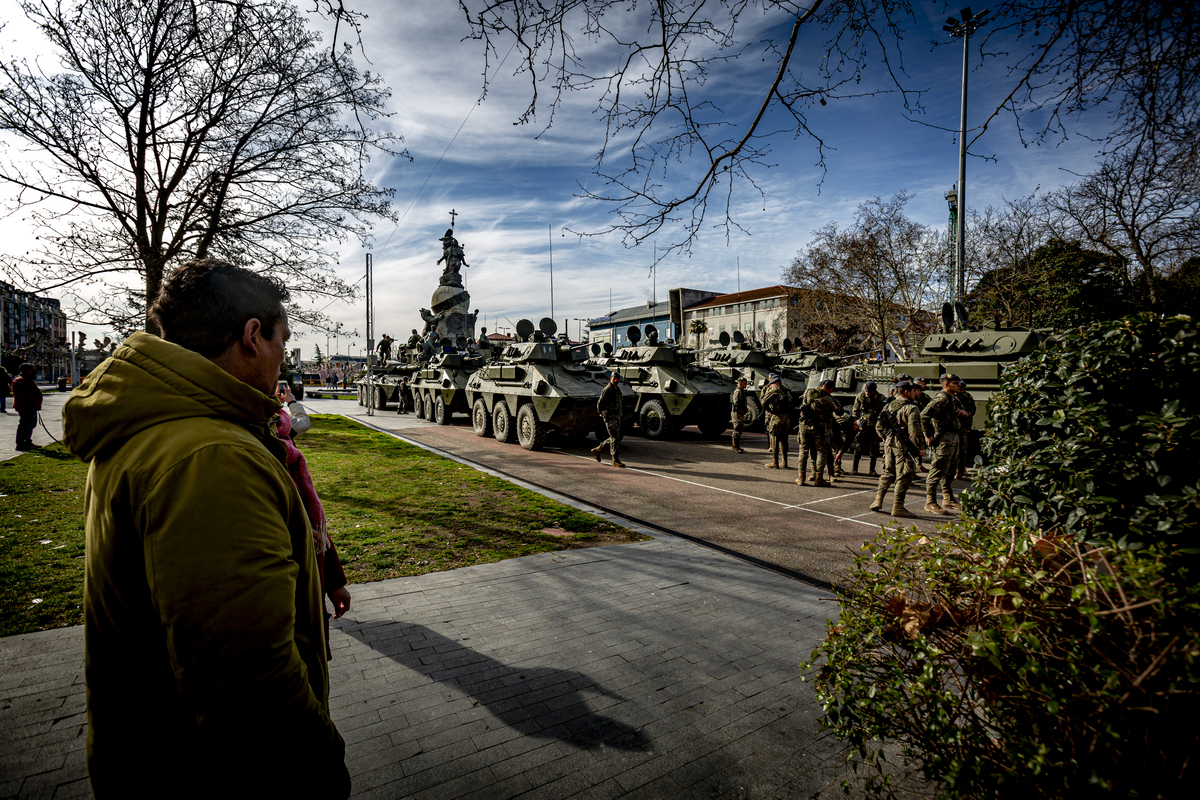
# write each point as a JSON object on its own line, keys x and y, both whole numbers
{"x": 721, "y": 329}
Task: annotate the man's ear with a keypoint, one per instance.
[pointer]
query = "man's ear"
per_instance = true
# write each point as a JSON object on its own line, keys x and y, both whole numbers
{"x": 251, "y": 336}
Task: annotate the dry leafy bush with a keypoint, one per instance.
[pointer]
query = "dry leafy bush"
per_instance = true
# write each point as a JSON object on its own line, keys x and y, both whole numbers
{"x": 1048, "y": 644}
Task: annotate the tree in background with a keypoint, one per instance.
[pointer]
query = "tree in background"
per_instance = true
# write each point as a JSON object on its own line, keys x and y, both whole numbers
{"x": 180, "y": 129}
{"x": 879, "y": 276}
{"x": 1059, "y": 285}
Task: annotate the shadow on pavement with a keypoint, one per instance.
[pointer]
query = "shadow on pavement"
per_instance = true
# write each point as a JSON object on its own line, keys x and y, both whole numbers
{"x": 536, "y": 701}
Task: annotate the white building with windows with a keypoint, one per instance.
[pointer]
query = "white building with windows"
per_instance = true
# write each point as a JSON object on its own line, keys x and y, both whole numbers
{"x": 766, "y": 315}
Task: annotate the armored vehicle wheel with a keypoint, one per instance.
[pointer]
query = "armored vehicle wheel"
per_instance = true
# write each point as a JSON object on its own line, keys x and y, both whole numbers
{"x": 362, "y": 395}
{"x": 418, "y": 409}
{"x": 753, "y": 411}
{"x": 713, "y": 426}
{"x": 481, "y": 419}
{"x": 531, "y": 431}
{"x": 441, "y": 414}
{"x": 504, "y": 427}
{"x": 654, "y": 420}
{"x": 427, "y": 403}
{"x": 381, "y": 396}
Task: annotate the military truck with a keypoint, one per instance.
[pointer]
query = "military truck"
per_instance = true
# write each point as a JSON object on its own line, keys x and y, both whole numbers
{"x": 438, "y": 387}
{"x": 673, "y": 389}
{"x": 539, "y": 386}
{"x": 742, "y": 360}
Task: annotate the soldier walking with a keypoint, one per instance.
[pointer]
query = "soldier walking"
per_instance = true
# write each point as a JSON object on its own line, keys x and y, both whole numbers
{"x": 899, "y": 425}
{"x": 737, "y": 404}
{"x": 777, "y": 403}
{"x": 943, "y": 421}
{"x": 609, "y": 406}
{"x": 816, "y": 419}
{"x": 867, "y": 406}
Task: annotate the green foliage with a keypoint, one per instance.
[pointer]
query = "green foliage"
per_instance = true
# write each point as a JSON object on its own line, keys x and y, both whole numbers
{"x": 1010, "y": 667}
{"x": 1061, "y": 284}
{"x": 1097, "y": 436}
{"x": 1048, "y": 643}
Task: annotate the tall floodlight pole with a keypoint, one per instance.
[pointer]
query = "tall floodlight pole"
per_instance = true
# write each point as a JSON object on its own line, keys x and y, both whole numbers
{"x": 370, "y": 336}
{"x": 969, "y": 24}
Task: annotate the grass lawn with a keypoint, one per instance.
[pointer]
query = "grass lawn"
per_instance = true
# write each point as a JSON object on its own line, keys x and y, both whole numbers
{"x": 393, "y": 510}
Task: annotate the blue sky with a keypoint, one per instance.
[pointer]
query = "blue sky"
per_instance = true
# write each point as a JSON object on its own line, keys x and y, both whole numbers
{"x": 515, "y": 190}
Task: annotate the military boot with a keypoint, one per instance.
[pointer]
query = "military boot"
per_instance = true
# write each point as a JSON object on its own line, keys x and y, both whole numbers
{"x": 878, "y": 504}
{"x": 596, "y": 452}
{"x": 773, "y": 464}
{"x": 737, "y": 445}
{"x": 803, "y": 479}
{"x": 785, "y": 464}
{"x": 932, "y": 506}
{"x": 819, "y": 479}
{"x": 873, "y": 473}
{"x": 898, "y": 510}
{"x": 854, "y": 469}
{"x": 617, "y": 463}
{"x": 948, "y": 502}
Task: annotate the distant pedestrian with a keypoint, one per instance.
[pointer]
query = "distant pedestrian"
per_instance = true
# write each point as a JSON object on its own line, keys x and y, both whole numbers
{"x": 27, "y": 400}
{"x": 5, "y": 386}
{"x": 609, "y": 405}
{"x": 738, "y": 404}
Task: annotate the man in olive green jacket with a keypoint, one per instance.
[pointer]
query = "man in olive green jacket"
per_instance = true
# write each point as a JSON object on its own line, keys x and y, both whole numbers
{"x": 205, "y": 636}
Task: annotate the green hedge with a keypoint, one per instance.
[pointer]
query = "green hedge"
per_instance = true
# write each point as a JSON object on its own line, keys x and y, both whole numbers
{"x": 1045, "y": 645}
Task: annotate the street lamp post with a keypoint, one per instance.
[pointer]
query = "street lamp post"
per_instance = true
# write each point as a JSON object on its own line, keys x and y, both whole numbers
{"x": 969, "y": 24}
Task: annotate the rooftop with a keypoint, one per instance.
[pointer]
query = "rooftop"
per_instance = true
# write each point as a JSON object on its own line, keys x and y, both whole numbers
{"x": 741, "y": 297}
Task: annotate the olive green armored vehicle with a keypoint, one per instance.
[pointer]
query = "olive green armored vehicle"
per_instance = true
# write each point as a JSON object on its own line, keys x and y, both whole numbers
{"x": 539, "y": 386}
{"x": 740, "y": 359}
{"x": 673, "y": 389}
{"x": 386, "y": 382}
{"x": 979, "y": 356}
{"x": 438, "y": 387}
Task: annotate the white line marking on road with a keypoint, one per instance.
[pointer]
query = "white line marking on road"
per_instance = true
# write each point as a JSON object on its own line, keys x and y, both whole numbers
{"x": 836, "y": 497}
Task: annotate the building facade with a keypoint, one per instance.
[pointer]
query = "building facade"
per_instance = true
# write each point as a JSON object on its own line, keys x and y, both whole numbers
{"x": 766, "y": 315}
{"x": 28, "y": 320}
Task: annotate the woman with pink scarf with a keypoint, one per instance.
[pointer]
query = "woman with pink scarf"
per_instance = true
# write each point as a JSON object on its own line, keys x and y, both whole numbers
{"x": 293, "y": 422}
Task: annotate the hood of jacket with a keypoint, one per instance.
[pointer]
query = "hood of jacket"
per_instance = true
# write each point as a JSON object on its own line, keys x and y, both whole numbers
{"x": 149, "y": 381}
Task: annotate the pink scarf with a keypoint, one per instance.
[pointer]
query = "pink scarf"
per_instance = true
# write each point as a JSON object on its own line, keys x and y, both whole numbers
{"x": 298, "y": 468}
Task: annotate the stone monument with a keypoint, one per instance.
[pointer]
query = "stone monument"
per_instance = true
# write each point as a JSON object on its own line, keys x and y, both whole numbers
{"x": 449, "y": 314}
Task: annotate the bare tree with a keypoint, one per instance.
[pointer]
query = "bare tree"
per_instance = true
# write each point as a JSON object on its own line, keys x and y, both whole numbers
{"x": 179, "y": 129}
{"x": 677, "y": 146}
{"x": 879, "y": 275}
{"x": 1142, "y": 205}
{"x": 1002, "y": 241}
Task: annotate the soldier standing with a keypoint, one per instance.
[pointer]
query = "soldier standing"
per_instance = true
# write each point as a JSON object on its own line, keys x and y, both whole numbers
{"x": 737, "y": 402}
{"x": 899, "y": 425}
{"x": 867, "y": 406}
{"x": 943, "y": 420}
{"x": 609, "y": 406}
{"x": 776, "y": 403}
{"x": 965, "y": 446}
{"x": 816, "y": 417}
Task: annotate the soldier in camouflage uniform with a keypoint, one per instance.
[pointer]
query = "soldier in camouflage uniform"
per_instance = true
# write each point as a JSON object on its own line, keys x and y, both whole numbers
{"x": 901, "y": 446}
{"x": 609, "y": 406}
{"x": 867, "y": 406}
{"x": 816, "y": 418}
{"x": 777, "y": 402}
{"x": 738, "y": 407}
{"x": 841, "y": 435}
{"x": 965, "y": 446}
{"x": 943, "y": 420}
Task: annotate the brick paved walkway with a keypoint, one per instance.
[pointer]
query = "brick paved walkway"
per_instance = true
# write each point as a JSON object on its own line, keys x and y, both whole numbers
{"x": 649, "y": 670}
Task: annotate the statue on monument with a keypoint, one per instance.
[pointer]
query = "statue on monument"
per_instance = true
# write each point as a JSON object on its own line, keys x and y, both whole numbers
{"x": 452, "y": 254}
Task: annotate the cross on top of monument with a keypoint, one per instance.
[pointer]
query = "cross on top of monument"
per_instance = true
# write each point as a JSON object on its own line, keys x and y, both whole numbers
{"x": 453, "y": 217}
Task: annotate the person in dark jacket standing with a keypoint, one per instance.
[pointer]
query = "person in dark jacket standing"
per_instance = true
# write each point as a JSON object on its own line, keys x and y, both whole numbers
{"x": 738, "y": 405}
{"x": 27, "y": 400}
{"x": 5, "y": 386}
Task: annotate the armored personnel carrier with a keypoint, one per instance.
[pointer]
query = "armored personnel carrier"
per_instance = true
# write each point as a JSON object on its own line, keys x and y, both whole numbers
{"x": 673, "y": 389}
{"x": 539, "y": 386}
{"x": 438, "y": 387}
{"x": 743, "y": 360}
{"x": 387, "y": 382}
{"x": 979, "y": 356}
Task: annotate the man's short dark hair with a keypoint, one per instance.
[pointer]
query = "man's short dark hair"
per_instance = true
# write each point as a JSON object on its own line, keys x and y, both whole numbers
{"x": 205, "y": 304}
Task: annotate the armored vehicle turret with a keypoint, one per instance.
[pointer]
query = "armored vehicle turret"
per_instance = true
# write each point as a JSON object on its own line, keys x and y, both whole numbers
{"x": 672, "y": 389}
{"x": 438, "y": 387}
{"x": 740, "y": 359}
{"x": 538, "y": 386}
